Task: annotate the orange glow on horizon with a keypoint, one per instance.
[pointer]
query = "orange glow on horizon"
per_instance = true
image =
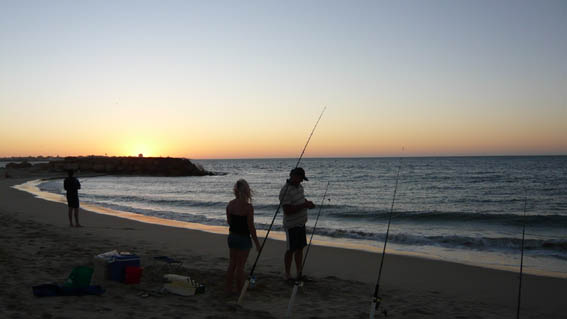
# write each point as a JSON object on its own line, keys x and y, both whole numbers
{"x": 320, "y": 146}
{"x": 330, "y": 140}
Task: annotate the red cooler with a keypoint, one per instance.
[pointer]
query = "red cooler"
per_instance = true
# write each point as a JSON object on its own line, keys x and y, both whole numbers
{"x": 133, "y": 275}
{"x": 117, "y": 268}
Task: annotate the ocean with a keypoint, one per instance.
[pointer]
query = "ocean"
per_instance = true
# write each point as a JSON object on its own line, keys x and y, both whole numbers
{"x": 461, "y": 209}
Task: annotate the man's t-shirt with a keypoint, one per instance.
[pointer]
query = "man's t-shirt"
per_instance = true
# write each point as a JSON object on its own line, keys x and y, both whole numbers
{"x": 293, "y": 196}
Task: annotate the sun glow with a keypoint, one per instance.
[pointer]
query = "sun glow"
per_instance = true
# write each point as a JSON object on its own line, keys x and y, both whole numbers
{"x": 136, "y": 148}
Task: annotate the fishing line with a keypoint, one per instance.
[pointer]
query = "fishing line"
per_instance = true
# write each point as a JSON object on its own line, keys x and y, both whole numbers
{"x": 522, "y": 255}
{"x": 250, "y": 276}
{"x": 376, "y": 300}
{"x": 299, "y": 280}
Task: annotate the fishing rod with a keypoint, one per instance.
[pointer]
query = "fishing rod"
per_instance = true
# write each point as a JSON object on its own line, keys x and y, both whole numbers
{"x": 250, "y": 276}
{"x": 314, "y": 227}
{"x": 522, "y": 255}
{"x": 299, "y": 282}
{"x": 376, "y": 300}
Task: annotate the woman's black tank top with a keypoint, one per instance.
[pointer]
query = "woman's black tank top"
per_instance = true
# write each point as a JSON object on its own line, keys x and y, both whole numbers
{"x": 239, "y": 225}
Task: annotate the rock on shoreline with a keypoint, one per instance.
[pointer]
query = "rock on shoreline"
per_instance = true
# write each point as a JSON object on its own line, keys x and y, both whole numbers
{"x": 150, "y": 166}
{"x": 23, "y": 164}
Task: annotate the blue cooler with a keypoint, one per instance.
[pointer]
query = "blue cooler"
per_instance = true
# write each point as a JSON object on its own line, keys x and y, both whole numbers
{"x": 117, "y": 268}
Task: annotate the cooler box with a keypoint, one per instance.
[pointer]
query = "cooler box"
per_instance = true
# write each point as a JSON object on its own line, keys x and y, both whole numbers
{"x": 133, "y": 275}
{"x": 117, "y": 268}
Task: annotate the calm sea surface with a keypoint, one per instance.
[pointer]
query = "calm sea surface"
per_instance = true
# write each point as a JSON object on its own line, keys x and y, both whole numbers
{"x": 463, "y": 209}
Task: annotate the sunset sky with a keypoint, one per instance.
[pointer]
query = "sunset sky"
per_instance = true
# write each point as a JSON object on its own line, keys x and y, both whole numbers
{"x": 232, "y": 79}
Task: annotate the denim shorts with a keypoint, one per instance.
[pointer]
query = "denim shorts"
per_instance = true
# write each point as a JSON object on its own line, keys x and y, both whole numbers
{"x": 239, "y": 242}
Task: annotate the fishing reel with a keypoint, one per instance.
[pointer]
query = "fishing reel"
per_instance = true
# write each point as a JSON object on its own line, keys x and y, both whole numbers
{"x": 252, "y": 282}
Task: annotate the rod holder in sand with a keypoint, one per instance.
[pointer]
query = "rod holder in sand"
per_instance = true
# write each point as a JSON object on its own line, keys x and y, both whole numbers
{"x": 289, "y": 311}
{"x": 243, "y": 291}
{"x": 372, "y": 309}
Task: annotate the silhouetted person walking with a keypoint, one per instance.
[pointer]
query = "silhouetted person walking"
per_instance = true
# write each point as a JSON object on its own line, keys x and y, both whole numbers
{"x": 72, "y": 186}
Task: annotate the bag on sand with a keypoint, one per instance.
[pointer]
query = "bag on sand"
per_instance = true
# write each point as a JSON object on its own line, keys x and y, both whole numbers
{"x": 182, "y": 285}
{"x": 80, "y": 277}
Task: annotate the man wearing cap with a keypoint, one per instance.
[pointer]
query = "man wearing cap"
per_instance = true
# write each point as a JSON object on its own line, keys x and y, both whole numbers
{"x": 295, "y": 208}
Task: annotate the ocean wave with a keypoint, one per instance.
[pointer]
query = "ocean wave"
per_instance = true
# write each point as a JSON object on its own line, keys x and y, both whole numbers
{"x": 148, "y": 200}
{"x": 262, "y": 209}
{"x": 452, "y": 241}
{"x": 559, "y": 221}
{"x": 192, "y": 218}
{"x": 556, "y": 248}
{"x": 347, "y": 213}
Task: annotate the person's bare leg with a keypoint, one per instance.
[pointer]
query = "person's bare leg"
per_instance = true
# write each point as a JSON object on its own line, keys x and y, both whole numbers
{"x": 298, "y": 261}
{"x": 77, "y": 217}
{"x": 287, "y": 262}
{"x": 241, "y": 263}
{"x": 230, "y": 272}
{"x": 70, "y": 216}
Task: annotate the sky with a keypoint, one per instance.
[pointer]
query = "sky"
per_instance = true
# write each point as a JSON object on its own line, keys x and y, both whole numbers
{"x": 248, "y": 79}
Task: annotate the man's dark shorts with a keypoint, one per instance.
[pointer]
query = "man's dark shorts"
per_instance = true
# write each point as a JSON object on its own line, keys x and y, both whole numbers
{"x": 73, "y": 201}
{"x": 295, "y": 238}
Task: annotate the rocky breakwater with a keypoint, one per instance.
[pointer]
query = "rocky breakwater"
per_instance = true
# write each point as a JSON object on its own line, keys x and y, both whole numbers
{"x": 145, "y": 166}
{"x": 23, "y": 164}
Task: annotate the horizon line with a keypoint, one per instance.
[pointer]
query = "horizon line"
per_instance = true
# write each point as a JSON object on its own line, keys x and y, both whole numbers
{"x": 288, "y": 158}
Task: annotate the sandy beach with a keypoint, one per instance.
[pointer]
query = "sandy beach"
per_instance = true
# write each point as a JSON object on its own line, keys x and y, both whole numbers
{"x": 37, "y": 246}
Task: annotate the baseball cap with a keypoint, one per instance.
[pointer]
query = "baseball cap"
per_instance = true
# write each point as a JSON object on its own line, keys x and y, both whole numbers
{"x": 299, "y": 172}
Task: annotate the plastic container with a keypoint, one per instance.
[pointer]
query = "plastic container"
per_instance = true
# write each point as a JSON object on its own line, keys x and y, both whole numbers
{"x": 117, "y": 268}
{"x": 133, "y": 275}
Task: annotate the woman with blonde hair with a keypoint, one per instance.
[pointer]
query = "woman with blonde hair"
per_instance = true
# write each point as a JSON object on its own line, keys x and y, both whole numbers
{"x": 240, "y": 218}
